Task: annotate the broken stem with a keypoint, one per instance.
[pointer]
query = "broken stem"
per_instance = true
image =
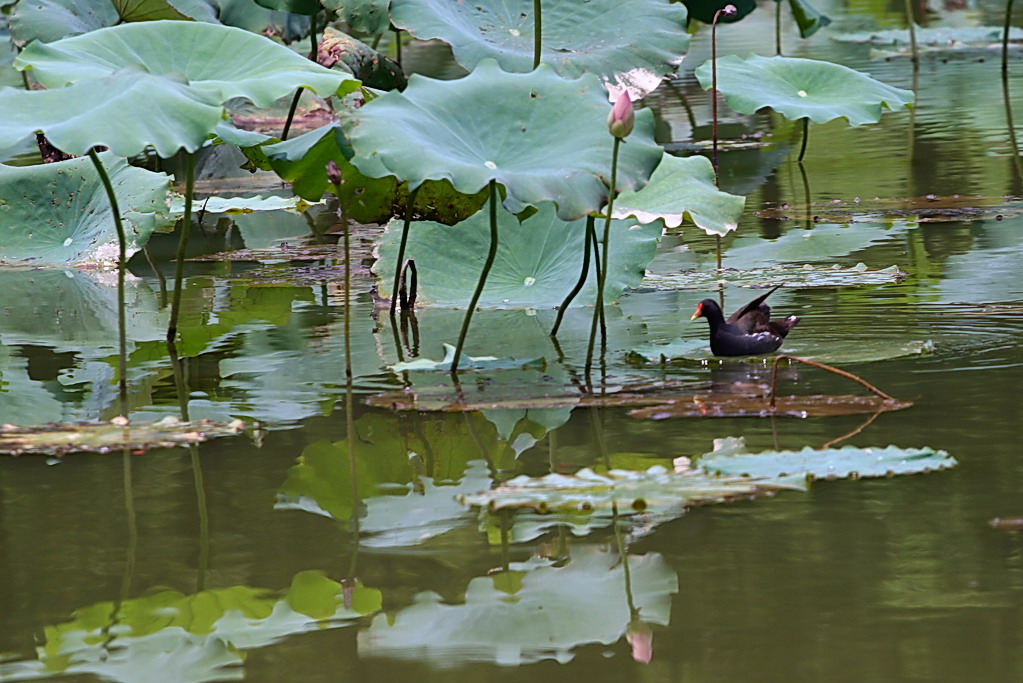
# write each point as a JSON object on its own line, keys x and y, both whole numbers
{"x": 822, "y": 366}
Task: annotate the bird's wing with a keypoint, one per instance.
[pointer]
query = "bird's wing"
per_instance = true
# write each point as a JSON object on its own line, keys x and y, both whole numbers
{"x": 755, "y": 311}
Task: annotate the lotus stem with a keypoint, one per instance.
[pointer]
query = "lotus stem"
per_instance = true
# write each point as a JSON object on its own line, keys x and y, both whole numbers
{"x": 537, "y": 33}
{"x": 912, "y": 34}
{"x": 823, "y": 366}
{"x": 777, "y": 27}
{"x": 335, "y": 177}
{"x": 602, "y": 275}
{"x": 582, "y": 276}
{"x": 1017, "y": 162}
{"x": 1005, "y": 37}
{"x": 397, "y": 44}
{"x": 122, "y": 250}
{"x": 491, "y": 254}
{"x": 806, "y": 136}
{"x": 595, "y": 245}
{"x": 401, "y": 247}
{"x": 714, "y": 89}
{"x": 179, "y": 266}
{"x": 298, "y": 92}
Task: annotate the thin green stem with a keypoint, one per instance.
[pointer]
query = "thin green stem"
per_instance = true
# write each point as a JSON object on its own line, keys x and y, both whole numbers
{"x": 397, "y": 46}
{"x": 912, "y": 34}
{"x": 401, "y": 247}
{"x": 1005, "y": 37}
{"x": 582, "y": 276}
{"x": 777, "y": 27}
{"x": 186, "y": 227}
{"x": 806, "y": 135}
{"x": 537, "y": 33}
{"x": 491, "y": 254}
{"x": 298, "y": 92}
{"x": 122, "y": 250}
{"x": 343, "y": 215}
{"x": 602, "y": 277}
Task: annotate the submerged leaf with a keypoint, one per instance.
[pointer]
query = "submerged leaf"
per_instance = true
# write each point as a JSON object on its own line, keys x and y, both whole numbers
{"x": 468, "y": 363}
{"x": 58, "y": 439}
{"x": 730, "y": 458}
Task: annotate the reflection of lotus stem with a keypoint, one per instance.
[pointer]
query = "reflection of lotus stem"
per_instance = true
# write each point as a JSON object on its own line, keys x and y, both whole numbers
{"x": 1005, "y": 37}
{"x": 186, "y": 226}
{"x": 491, "y": 254}
{"x": 204, "y": 518}
{"x": 334, "y": 173}
{"x": 537, "y": 33}
{"x": 912, "y": 33}
{"x": 602, "y": 275}
{"x": 582, "y": 276}
{"x": 829, "y": 368}
{"x": 1017, "y": 163}
{"x": 298, "y": 93}
{"x": 401, "y": 247}
{"x": 806, "y": 134}
{"x": 122, "y": 248}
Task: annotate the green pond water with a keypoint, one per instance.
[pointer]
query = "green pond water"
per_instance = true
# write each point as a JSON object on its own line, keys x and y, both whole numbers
{"x": 240, "y": 558}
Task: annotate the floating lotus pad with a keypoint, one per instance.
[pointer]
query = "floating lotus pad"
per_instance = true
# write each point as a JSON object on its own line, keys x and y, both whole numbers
{"x": 802, "y": 277}
{"x": 803, "y": 88}
{"x": 225, "y": 61}
{"x": 544, "y": 139}
{"x": 242, "y": 205}
{"x": 468, "y": 363}
{"x": 628, "y": 43}
{"x": 730, "y": 458}
{"x": 58, "y": 439}
{"x": 943, "y": 38}
{"x": 680, "y": 187}
{"x": 862, "y": 349}
{"x": 59, "y": 214}
{"x": 537, "y": 264}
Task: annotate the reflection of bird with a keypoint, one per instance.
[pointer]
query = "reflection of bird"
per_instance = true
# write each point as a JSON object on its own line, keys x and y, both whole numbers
{"x": 748, "y": 332}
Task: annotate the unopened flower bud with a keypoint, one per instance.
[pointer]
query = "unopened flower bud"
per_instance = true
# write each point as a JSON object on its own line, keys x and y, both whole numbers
{"x": 729, "y": 10}
{"x": 622, "y": 116}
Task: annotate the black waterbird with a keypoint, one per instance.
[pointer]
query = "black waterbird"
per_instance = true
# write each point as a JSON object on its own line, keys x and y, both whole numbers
{"x": 747, "y": 332}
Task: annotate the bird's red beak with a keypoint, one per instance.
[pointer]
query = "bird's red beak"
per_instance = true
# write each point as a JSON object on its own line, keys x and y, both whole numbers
{"x": 698, "y": 313}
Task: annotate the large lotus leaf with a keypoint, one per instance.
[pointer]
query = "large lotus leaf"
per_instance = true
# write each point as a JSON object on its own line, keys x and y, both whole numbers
{"x": 704, "y": 10}
{"x": 803, "y": 88}
{"x": 544, "y": 138}
{"x": 59, "y": 214}
{"x": 153, "y": 10}
{"x": 628, "y": 43}
{"x": 730, "y": 458}
{"x": 125, "y": 112}
{"x": 681, "y": 186}
{"x": 9, "y": 76}
{"x": 537, "y": 264}
{"x": 365, "y": 16}
{"x": 248, "y": 15}
{"x": 534, "y": 612}
{"x": 49, "y": 20}
{"x": 226, "y": 61}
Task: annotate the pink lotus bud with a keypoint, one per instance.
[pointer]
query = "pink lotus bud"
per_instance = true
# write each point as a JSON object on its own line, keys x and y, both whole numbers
{"x": 729, "y": 10}
{"x": 622, "y": 116}
{"x": 641, "y": 638}
{"x": 333, "y": 172}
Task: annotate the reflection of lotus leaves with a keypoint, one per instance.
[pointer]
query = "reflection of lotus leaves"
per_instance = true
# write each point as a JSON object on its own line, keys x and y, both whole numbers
{"x": 556, "y": 610}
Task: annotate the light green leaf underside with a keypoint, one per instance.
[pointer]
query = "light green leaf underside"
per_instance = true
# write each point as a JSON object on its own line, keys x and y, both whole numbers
{"x": 59, "y": 214}
{"x": 49, "y": 20}
{"x": 225, "y": 61}
{"x": 544, "y": 139}
{"x": 627, "y": 43}
{"x": 803, "y": 88}
{"x": 538, "y": 261}
{"x": 679, "y": 187}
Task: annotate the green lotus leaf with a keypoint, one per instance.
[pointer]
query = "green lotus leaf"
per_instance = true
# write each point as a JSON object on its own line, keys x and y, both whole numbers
{"x": 223, "y": 60}
{"x": 945, "y": 37}
{"x": 628, "y": 43}
{"x": 125, "y": 112}
{"x": 59, "y": 214}
{"x": 369, "y": 66}
{"x": 679, "y": 187}
{"x": 704, "y": 10}
{"x": 864, "y": 348}
{"x": 803, "y": 88}
{"x": 545, "y": 138}
{"x": 793, "y": 276}
{"x": 365, "y": 16}
{"x": 241, "y": 205}
{"x": 538, "y": 260}
{"x": 294, "y": 6}
{"x": 468, "y": 363}
{"x": 49, "y": 20}
{"x": 9, "y": 76}
{"x": 808, "y": 18}
{"x": 147, "y": 10}
{"x": 730, "y": 458}
{"x": 248, "y": 15}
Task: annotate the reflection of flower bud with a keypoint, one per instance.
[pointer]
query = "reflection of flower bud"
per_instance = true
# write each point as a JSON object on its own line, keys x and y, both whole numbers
{"x": 333, "y": 173}
{"x": 622, "y": 116}
{"x": 729, "y": 10}
{"x": 641, "y": 638}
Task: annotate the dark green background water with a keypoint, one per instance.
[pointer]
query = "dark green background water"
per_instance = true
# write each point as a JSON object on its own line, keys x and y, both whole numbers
{"x": 874, "y": 580}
